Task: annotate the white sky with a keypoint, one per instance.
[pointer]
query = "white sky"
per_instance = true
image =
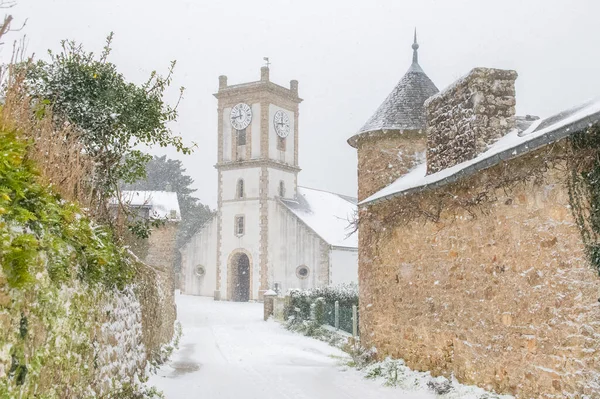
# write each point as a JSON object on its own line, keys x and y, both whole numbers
{"x": 346, "y": 54}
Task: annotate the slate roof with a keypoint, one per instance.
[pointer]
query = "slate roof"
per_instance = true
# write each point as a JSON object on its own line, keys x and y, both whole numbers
{"x": 327, "y": 214}
{"x": 514, "y": 144}
{"x": 403, "y": 108}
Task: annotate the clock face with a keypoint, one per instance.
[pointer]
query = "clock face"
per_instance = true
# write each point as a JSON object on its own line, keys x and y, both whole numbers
{"x": 241, "y": 116}
{"x": 281, "y": 121}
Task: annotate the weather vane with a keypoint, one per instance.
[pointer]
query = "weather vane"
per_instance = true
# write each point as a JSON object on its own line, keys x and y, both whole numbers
{"x": 267, "y": 61}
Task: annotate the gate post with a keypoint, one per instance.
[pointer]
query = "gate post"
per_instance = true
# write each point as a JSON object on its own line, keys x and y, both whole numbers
{"x": 269, "y": 303}
{"x": 354, "y": 321}
{"x": 337, "y": 315}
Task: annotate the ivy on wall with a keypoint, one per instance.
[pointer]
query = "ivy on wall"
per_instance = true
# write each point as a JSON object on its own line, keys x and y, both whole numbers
{"x": 584, "y": 189}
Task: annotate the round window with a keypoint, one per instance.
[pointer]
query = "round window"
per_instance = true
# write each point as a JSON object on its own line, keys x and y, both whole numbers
{"x": 200, "y": 271}
{"x": 302, "y": 272}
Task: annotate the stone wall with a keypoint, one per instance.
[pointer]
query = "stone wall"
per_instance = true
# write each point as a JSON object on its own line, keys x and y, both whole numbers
{"x": 156, "y": 288}
{"x": 384, "y": 157}
{"x": 464, "y": 119}
{"x": 495, "y": 291}
{"x": 78, "y": 342}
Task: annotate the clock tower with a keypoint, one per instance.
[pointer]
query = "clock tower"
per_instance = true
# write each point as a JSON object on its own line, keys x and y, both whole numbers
{"x": 257, "y": 164}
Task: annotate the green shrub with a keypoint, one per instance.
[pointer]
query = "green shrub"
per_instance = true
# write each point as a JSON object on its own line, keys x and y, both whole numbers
{"x": 40, "y": 231}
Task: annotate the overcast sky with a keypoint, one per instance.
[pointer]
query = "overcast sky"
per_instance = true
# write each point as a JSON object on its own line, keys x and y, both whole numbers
{"x": 347, "y": 55}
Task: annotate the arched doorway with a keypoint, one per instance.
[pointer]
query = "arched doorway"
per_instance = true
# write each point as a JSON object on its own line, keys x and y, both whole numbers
{"x": 241, "y": 278}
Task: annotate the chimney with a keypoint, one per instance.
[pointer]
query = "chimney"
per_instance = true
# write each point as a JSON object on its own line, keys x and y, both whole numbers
{"x": 222, "y": 82}
{"x": 470, "y": 115}
{"x": 294, "y": 87}
{"x": 264, "y": 74}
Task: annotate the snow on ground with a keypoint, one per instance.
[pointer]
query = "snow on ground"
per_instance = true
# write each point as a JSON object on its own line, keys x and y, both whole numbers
{"x": 228, "y": 351}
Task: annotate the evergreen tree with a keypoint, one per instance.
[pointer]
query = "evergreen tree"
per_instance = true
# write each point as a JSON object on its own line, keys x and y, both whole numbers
{"x": 164, "y": 174}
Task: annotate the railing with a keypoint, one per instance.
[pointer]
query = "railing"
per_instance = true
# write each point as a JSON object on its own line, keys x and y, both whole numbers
{"x": 342, "y": 317}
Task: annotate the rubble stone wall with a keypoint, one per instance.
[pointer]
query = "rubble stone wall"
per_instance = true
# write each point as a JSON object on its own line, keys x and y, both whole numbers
{"x": 383, "y": 158}
{"x": 464, "y": 119}
{"x": 500, "y": 295}
{"x": 156, "y": 286}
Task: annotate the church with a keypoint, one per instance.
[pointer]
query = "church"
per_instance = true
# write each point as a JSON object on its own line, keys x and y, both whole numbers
{"x": 268, "y": 233}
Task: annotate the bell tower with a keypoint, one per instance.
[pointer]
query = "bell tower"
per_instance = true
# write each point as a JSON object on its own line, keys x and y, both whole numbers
{"x": 257, "y": 162}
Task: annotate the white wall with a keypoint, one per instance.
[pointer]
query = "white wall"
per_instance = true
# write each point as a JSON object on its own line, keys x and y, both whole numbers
{"x": 200, "y": 250}
{"x": 275, "y": 176}
{"x": 343, "y": 266}
{"x": 274, "y": 153}
{"x": 230, "y": 178}
{"x": 226, "y": 135}
{"x": 291, "y": 244}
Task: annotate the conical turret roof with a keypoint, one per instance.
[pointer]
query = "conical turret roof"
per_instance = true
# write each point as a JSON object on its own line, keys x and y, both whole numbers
{"x": 403, "y": 108}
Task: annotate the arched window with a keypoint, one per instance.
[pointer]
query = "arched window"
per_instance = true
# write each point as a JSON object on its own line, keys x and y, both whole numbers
{"x": 281, "y": 189}
{"x": 239, "y": 226}
{"x": 240, "y": 188}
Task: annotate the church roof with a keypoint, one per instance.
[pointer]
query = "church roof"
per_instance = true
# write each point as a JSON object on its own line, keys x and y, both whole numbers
{"x": 329, "y": 215}
{"x": 403, "y": 108}
{"x": 514, "y": 144}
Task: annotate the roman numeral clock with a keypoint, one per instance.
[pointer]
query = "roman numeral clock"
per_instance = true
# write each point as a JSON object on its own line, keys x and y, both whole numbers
{"x": 241, "y": 116}
{"x": 281, "y": 122}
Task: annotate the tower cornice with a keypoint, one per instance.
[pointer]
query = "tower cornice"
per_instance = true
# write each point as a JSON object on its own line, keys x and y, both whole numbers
{"x": 256, "y": 163}
{"x": 256, "y": 87}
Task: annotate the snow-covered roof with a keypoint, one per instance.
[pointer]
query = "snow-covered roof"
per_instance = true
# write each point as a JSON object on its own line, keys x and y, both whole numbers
{"x": 512, "y": 145}
{"x": 327, "y": 214}
{"x": 403, "y": 108}
{"x": 162, "y": 204}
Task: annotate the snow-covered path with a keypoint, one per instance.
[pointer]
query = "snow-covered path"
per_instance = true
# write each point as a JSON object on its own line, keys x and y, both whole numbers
{"x": 228, "y": 351}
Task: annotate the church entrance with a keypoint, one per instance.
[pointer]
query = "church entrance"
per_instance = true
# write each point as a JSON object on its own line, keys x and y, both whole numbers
{"x": 241, "y": 281}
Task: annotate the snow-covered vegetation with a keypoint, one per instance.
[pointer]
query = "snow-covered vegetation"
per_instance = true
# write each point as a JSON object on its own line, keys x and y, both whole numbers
{"x": 75, "y": 305}
{"x": 308, "y": 310}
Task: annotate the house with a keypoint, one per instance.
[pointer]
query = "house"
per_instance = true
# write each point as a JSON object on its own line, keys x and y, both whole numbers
{"x": 268, "y": 232}
{"x": 158, "y": 250}
{"x": 478, "y": 236}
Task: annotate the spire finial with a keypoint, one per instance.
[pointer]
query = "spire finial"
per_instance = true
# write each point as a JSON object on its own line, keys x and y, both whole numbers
{"x": 415, "y": 47}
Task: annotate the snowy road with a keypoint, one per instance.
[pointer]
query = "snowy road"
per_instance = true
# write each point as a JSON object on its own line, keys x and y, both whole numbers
{"x": 228, "y": 351}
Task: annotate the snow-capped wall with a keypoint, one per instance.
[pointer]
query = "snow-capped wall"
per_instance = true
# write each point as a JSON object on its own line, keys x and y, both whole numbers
{"x": 496, "y": 289}
{"x": 468, "y": 116}
{"x": 79, "y": 341}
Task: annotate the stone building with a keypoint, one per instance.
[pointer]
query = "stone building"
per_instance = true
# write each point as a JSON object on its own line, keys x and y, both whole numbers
{"x": 478, "y": 236}
{"x": 268, "y": 233}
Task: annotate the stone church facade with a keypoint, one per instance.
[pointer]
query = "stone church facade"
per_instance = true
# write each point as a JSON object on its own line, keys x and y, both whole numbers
{"x": 479, "y": 235}
{"x": 268, "y": 232}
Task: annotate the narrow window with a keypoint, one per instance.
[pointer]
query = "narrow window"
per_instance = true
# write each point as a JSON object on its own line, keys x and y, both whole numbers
{"x": 239, "y": 225}
{"x": 281, "y": 189}
{"x": 281, "y": 143}
{"x": 240, "y": 188}
{"x": 241, "y": 137}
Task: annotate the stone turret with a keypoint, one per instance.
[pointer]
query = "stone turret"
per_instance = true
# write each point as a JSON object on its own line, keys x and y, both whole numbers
{"x": 393, "y": 140}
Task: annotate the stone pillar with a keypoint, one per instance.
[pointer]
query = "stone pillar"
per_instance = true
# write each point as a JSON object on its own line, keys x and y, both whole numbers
{"x": 469, "y": 116}
{"x": 294, "y": 87}
{"x": 222, "y": 82}
{"x": 264, "y": 74}
{"x": 269, "y": 303}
